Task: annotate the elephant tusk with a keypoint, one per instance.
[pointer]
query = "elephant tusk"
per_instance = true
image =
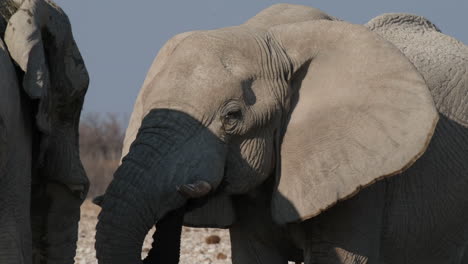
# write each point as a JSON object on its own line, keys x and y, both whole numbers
{"x": 195, "y": 190}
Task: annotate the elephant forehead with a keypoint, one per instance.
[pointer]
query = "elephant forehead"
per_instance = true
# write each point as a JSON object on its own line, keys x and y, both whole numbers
{"x": 183, "y": 83}
{"x": 207, "y": 65}
{"x": 231, "y": 50}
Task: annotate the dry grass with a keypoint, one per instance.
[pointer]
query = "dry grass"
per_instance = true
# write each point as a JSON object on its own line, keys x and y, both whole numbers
{"x": 101, "y": 138}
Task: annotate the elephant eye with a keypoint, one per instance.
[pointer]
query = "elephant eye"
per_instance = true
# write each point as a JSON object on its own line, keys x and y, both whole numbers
{"x": 233, "y": 115}
{"x": 230, "y": 120}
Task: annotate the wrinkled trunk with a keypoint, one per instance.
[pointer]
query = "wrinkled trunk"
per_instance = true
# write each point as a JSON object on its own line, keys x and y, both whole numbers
{"x": 144, "y": 188}
{"x": 58, "y": 190}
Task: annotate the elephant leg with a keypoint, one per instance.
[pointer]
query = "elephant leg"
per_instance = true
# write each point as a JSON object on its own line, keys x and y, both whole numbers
{"x": 15, "y": 229}
{"x": 255, "y": 238}
{"x": 464, "y": 256}
{"x": 349, "y": 232}
{"x": 55, "y": 213}
{"x": 62, "y": 223}
{"x": 15, "y": 238}
{"x": 247, "y": 249}
{"x": 38, "y": 222}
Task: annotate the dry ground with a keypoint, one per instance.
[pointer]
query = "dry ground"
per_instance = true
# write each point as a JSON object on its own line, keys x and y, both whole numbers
{"x": 194, "y": 248}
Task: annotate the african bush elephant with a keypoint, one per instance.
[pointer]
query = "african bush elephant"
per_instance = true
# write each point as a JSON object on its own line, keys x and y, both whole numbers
{"x": 42, "y": 180}
{"x": 310, "y": 138}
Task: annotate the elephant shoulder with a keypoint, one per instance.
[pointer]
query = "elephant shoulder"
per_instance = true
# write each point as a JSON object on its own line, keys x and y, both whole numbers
{"x": 400, "y": 21}
{"x": 279, "y": 14}
{"x": 441, "y": 59}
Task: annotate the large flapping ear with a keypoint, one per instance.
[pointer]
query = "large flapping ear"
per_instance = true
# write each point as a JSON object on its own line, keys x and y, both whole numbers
{"x": 360, "y": 112}
{"x": 40, "y": 41}
{"x": 24, "y": 40}
{"x": 218, "y": 210}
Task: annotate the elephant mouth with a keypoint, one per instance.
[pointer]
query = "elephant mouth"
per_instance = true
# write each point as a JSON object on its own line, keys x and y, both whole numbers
{"x": 195, "y": 190}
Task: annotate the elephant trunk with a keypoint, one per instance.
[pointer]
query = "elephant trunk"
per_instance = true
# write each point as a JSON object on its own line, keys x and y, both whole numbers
{"x": 144, "y": 188}
{"x": 126, "y": 216}
{"x": 58, "y": 190}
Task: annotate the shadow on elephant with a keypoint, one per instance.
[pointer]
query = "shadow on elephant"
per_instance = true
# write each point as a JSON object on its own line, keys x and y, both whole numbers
{"x": 306, "y": 136}
{"x": 43, "y": 84}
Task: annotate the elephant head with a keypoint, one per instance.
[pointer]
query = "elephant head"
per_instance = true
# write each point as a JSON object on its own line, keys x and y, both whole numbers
{"x": 39, "y": 39}
{"x": 325, "y": 107}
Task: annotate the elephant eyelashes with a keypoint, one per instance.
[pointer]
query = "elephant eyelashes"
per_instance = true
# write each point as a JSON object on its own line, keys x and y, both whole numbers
{"x": 233, "y": 115}
{"x": 231, "y": 119}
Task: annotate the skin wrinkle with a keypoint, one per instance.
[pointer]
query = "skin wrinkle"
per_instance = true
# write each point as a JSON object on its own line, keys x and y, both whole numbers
{"x": 248, "y": 143}
{"x": 279, "y": 61}
{"x": 405, "y": 198}
{"x": 58, "y": 174}
{"x": 146, "y": 208}
{"x": 156, "y": 188}
{"x": 167, "y": 201}
{"x": 441, "y": 59}
{"x": 249, "y": 163}
{"x": 248, "y": 148}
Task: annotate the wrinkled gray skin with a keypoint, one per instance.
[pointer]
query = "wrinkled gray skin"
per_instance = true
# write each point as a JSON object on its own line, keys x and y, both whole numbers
{"x": 287, "y": 117}
{"x": 42, "y": 180}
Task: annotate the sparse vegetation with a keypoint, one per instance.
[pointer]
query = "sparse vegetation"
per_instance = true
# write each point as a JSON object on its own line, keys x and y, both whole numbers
{"x": 101, "y": 138}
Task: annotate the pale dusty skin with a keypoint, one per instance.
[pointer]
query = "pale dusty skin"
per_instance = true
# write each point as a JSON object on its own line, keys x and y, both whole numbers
{"x": 320, "y": 139}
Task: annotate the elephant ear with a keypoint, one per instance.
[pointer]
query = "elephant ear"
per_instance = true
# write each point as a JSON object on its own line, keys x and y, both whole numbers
{"x": 218, "y": 211}
{"x": 23, "y": 37}
{"x": 360, "y": 112}
{"x": 40, "y": 40}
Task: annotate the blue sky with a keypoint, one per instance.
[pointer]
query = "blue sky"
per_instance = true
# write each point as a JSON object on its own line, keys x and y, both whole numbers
{"x": 119, "y": 40}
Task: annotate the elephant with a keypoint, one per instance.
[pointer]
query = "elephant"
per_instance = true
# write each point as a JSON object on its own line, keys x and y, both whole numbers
{"x": 310, "y": 138}
{"x": 42, "y": 180}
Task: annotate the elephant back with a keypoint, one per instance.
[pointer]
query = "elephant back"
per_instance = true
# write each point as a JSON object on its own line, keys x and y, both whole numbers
{"x": 441, "y": 59}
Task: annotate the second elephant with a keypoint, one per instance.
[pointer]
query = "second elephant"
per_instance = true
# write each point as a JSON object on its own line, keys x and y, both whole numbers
{"x": 42, "y": 89}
